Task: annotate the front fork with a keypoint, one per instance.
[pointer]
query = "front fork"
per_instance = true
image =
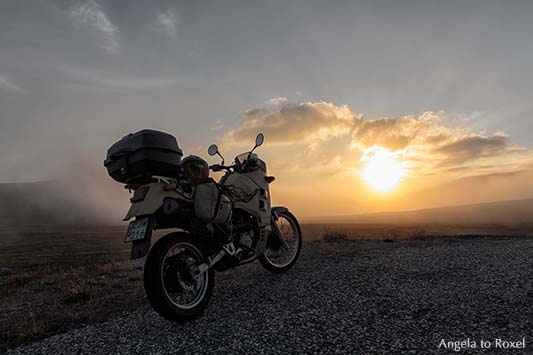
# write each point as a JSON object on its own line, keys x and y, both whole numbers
{"x": 277, "y": 231}
{"x": 278, "y": 234}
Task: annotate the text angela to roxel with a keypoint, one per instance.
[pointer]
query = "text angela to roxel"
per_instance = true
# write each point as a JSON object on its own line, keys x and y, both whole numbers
{"x": 497, "y": 343}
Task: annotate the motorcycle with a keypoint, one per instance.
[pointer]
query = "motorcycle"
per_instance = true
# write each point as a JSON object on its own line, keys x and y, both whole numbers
{"x": 221, "y": 224}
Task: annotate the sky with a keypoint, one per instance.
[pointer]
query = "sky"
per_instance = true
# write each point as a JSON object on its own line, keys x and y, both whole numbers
{"x": 435, "y": 94}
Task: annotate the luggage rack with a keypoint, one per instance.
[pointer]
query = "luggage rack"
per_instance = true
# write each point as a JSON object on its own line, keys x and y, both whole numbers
{"x": 133, "y": 185}
{"x": 164, "y": 179}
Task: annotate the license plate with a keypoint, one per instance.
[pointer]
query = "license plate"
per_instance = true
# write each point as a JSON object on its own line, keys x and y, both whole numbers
{"x": 136, "y": 230}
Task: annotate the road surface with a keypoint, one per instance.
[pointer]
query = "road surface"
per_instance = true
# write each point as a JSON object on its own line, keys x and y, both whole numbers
{"x": 357, "y": 297}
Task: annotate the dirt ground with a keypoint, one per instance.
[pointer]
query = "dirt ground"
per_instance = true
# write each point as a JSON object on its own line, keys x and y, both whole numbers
{"x": 53, "y": 279}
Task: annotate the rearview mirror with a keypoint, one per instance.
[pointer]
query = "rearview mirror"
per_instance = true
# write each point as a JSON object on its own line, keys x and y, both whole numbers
{"x": 212, "y": 150}
{"x": 259, "y": 139}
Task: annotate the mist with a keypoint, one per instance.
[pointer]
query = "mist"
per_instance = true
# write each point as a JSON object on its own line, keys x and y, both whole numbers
{"x": 82, "y": 200}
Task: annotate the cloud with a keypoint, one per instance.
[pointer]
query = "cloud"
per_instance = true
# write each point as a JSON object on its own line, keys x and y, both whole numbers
{"x": 97, "y": 79}
{"x": 91, "y": 14}
{"x": 166, "y": 23}
{"x": 284, "y": 122}
{"x": 475, "y": 146}
{"x": 399, "y": 132}
{"x": 424, "y": 143}
{"x": 6, "y": 84}
{"x": 429, "y": 143}
{"x": 218, "y": 125}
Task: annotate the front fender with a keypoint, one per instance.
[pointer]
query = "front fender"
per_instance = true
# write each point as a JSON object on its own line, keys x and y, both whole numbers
{"x": 152, "y": 201}
{"x": 275, "y": 211}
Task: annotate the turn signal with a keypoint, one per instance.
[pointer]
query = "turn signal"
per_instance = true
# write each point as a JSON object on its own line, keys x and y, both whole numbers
{"x": 269, "y": 179}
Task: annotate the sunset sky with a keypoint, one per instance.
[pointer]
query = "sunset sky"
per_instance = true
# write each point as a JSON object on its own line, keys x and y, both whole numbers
{"x": 365, "y": 105}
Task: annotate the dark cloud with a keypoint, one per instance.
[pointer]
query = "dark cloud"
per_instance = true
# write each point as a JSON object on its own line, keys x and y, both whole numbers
{"x": 477, "y": 146}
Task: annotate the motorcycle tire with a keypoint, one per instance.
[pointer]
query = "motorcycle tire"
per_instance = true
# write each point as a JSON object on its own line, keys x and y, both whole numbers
{"x": 164, "y": 275}
{"x": 268, "y": 262}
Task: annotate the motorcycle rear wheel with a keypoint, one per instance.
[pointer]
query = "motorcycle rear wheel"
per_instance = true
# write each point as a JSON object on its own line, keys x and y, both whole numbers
{"x": 277, "y": 259}
{"x": 171, "y": 289}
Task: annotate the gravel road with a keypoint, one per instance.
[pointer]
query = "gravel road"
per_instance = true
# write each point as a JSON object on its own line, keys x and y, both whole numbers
{"x": 357, "y": 297}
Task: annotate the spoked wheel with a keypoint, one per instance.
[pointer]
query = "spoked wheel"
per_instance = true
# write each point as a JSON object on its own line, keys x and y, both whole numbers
{"x": 278, "y": 257}
{"x": 171, "y": 288}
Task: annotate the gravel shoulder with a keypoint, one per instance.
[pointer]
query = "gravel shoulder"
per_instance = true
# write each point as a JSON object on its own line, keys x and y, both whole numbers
{"x": 355, "y": 297}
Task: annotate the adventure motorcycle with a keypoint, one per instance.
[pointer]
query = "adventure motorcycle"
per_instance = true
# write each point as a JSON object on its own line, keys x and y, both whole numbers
{"x": 222, "y": 224}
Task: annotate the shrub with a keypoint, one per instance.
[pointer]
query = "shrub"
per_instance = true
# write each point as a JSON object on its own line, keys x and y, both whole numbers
{"x": 33, "y": 325}
{"x": 418, "y": 232}
{"x": 78, "y": 290}
{"x": 333, "y": 236}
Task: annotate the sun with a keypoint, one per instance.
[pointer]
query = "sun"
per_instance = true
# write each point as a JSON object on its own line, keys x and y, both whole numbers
{"x": 382, "y": 170}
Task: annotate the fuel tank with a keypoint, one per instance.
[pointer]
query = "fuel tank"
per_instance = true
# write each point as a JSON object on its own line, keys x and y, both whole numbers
{"x": 251, "y": 193}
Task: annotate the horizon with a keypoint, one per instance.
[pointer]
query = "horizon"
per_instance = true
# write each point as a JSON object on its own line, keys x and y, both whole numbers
{"x": 55, "y": 207}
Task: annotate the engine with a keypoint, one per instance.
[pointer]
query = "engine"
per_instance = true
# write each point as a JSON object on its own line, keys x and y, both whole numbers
{"x": 246, "y": 239}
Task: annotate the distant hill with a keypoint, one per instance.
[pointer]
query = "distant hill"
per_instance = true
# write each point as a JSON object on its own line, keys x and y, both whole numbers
{"x": 508, "y": 213}
{"x": 54, "y": 203}
{"x": 85, "y": 203}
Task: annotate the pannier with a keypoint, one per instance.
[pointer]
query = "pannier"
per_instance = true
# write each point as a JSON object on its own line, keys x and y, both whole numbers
{"x": 210, "y": 204}
{"x": 194, "y": 167}
{"x": 138, "y": 156}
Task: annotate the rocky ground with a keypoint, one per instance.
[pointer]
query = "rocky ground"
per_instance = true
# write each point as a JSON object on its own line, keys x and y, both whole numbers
{"x": 355, "y": 297}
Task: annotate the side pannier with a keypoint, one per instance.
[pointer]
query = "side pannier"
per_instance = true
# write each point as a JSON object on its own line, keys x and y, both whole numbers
{"x": 210, "y": 204}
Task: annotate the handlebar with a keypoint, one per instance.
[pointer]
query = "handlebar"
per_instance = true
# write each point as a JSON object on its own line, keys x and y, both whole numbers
{"x": 238, "y": 165}
{"x": 218, "y": 167}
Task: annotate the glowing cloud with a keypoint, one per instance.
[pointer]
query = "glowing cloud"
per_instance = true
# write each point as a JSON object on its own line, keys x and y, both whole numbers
{"x": 380, "y": 149}
{"x": 284, "y": 122}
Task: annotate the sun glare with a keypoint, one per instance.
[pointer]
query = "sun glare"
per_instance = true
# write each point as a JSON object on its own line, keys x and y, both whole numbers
{"x": 382, "y": 170}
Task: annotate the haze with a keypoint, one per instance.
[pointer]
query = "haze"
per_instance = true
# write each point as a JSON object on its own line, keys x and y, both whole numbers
{"x": 442, "y": 87}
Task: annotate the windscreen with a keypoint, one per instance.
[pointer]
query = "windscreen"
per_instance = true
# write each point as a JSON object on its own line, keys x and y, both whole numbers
{"x": 242, "y": 157}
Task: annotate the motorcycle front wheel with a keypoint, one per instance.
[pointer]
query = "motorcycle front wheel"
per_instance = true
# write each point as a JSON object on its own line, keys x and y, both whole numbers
{"x": 276, "y": 257}
{"x": 171, "y": 288}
